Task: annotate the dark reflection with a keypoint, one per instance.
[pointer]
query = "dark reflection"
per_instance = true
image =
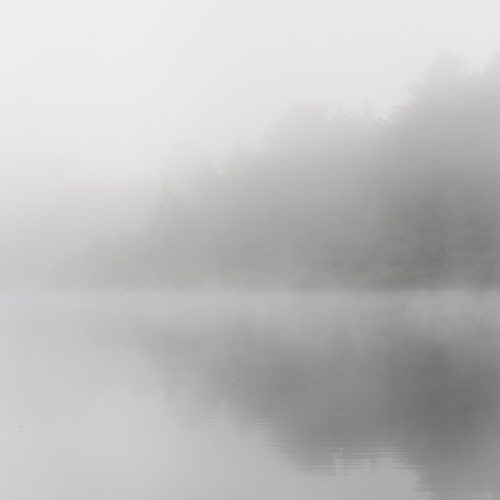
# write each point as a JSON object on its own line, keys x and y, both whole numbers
{"x": 338, "y": 379}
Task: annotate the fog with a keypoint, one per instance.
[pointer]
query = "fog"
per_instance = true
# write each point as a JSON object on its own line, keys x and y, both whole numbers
{"x": 329, "y": 200}
{"x": 249, "y": 250}
{"x": 101, "y": 100}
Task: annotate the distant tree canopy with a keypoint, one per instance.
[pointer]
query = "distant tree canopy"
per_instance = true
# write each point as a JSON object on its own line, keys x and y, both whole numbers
{"x": 342, "y": 200}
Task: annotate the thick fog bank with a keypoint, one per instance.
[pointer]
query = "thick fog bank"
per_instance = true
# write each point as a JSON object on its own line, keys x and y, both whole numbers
{"x": 334, "y": 200}
{"x": 329, "y": 200}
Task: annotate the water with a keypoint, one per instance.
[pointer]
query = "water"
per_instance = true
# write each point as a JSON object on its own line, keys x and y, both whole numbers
{"x": 245, "y": 396}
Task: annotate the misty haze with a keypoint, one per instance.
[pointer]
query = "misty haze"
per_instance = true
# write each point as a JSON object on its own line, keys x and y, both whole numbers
{"x": 250, "y": 251}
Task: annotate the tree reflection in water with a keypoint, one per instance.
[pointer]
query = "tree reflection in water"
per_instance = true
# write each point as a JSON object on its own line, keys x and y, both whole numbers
{"x": 338, "y": 379}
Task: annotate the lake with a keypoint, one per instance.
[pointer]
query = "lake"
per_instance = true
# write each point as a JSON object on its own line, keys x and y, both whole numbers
{"x": 245, "y": 395}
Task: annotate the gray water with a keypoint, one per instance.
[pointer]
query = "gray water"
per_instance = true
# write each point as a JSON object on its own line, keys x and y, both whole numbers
{"x": 250, "y": 396}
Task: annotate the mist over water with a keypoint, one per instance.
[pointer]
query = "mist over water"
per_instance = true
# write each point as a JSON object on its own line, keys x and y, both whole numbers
{"x": 249, "y": 250}
{"x": 238, "y": 395}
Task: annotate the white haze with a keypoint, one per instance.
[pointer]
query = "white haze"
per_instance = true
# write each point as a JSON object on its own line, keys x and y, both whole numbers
{"x": 94, "y": 95}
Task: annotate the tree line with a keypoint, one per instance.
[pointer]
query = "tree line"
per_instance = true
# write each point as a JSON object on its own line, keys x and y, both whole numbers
{"x": 338, "y": 200}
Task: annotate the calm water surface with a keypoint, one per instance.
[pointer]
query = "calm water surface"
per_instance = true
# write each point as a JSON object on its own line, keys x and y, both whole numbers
{"x": 250, "y": 396}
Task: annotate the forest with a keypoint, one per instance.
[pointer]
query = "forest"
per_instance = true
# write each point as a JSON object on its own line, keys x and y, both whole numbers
{"x": 342, "y": 199}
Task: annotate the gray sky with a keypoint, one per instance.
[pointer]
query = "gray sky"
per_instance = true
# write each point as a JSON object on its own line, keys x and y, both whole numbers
{"x": 94, "y": 93}
{"x": 109, "y": 85}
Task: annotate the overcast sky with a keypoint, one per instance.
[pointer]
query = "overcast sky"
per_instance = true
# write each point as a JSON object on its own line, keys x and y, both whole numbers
{"x": 95, "y": 93}
{"x": 109, "y": 85}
